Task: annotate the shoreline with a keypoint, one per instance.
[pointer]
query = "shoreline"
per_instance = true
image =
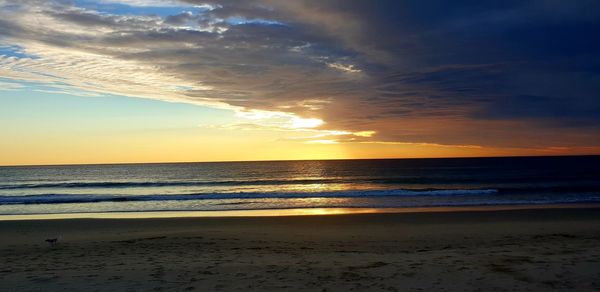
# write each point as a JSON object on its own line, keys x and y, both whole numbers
{"x": 540, "y": 249}
{"x": 286, "y": 212}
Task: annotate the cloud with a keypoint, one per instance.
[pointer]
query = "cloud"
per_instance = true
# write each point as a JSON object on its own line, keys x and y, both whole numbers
{"x": 10, "y": 85}
{"x": 448, "y": 73}
{"x": 344, "y": 68}
{"x": 180, "y": 18}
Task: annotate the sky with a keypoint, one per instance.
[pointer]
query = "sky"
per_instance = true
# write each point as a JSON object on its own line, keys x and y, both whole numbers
{"x": 114, "y": 81}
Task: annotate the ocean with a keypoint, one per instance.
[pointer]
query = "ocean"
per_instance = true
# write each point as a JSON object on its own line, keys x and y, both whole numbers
{"x": 378, "y": 183}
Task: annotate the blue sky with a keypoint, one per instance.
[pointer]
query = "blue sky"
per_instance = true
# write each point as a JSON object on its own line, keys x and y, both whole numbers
{"x": 28, "y": 109}
{"x": 116, "y": 8}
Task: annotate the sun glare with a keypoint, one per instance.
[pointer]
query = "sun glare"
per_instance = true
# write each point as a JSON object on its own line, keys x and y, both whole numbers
{"x": 301, "y": 123}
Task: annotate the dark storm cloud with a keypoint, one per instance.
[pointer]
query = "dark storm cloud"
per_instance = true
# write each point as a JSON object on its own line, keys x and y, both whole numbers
{"x": 561, "y": 109}
{"x": 380, "y": 65}
{"x": 86, "y": 19}
{"x": 180, "y": 18}
{"x": 471, "y": 54}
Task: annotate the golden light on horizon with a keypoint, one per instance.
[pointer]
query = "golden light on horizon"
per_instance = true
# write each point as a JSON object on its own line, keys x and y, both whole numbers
{"x": 322, "y": 141}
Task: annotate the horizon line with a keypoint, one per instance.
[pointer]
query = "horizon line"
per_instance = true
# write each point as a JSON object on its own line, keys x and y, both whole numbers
{"x": 285, "y": 160}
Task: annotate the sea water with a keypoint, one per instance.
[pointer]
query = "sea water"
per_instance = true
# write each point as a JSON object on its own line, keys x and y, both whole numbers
{"x": 384, "y": 183}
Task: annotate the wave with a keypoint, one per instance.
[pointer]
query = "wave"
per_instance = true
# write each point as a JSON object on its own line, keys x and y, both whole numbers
{"x": 332, "y": 180}
{"x": 117, "y": 184}
{"x": 72, "y": 198}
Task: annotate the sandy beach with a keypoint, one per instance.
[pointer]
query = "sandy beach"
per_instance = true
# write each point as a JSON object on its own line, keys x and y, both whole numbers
{"x": 508, "y": 250}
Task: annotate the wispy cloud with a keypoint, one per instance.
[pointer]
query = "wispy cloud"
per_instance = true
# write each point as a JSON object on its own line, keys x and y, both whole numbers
{"x": 10, "y": 85}
{"x": 344, "y": 68}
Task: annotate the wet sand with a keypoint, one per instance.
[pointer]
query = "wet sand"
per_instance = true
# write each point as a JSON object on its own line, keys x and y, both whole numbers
{"x": 527, "y": 250}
